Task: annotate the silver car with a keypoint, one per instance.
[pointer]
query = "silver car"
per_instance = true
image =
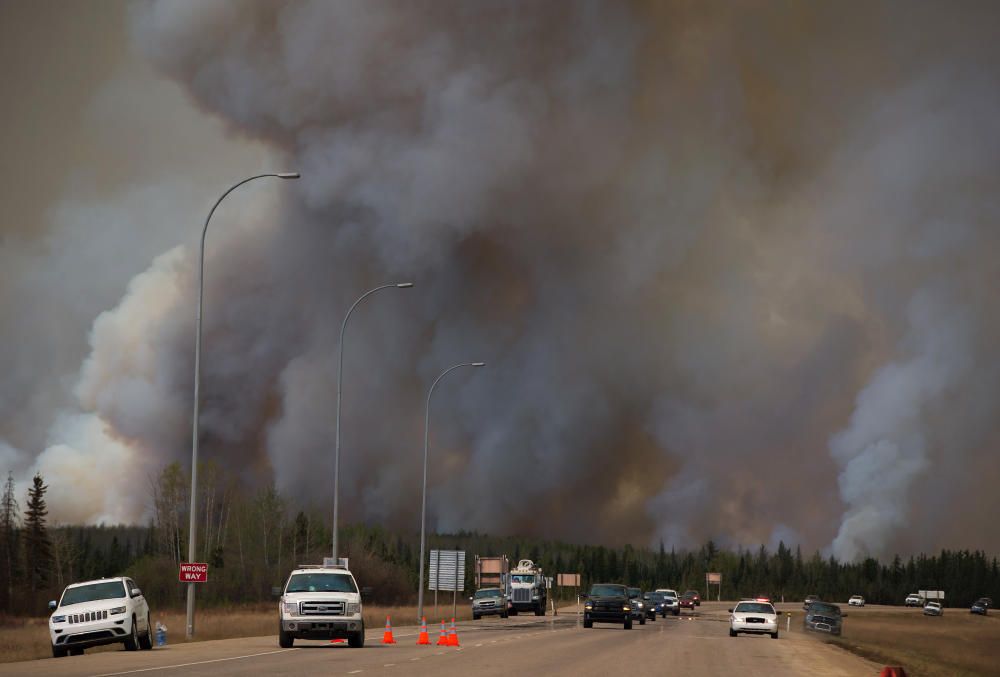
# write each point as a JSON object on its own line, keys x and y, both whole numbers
{"x": 489, "y": 602}
{"x": 933, "y": 609}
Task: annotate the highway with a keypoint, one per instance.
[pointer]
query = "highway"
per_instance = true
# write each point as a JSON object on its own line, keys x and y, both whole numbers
{"x": 686, "y": 645}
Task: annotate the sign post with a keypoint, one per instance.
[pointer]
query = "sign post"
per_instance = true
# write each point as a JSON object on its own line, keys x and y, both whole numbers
{"x": 193, "y": 572}
{"x": 711, "y": 578}
{"x": 570, "y": 581}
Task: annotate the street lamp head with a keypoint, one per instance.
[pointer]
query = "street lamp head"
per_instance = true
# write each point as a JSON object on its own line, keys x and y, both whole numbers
{"x": 478, "y": 364}
{"x": 404, "y": 285}
{"x": 289, "y": 175}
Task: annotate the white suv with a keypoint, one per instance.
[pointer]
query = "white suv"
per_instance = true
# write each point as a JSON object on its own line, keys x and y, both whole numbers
{"x": 856, "y": 600}
{"x": 320, "y": 603}
{"x": 105, "y": 611}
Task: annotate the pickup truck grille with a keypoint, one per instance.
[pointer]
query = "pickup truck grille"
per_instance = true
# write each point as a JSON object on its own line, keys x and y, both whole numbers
{"x": 330, "y": 608}
{"x": 87, "y": 617}
{"x": 487, "y": 605}
{"x": 522, "y": 594}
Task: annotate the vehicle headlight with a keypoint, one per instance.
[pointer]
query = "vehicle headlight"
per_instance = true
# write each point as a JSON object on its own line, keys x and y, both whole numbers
{"x": 58, "y": 619}
{"x": 737, "y": 619}
{"x": 353, "y": 608}
{"x": 626, "y": 608}
{"x": 588, "y": 607}
{"x": 640, "y": 605}
{"x": 290, "y": 608}
{"x": 117, "y": 610}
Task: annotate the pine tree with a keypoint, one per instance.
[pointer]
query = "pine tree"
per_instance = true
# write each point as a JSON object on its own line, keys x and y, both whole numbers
{"x": 8, "y": 541}
{"x": 37, "y": 546}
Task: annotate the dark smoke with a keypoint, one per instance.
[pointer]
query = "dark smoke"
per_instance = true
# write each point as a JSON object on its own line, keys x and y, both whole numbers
{"x": 732, "y": 267}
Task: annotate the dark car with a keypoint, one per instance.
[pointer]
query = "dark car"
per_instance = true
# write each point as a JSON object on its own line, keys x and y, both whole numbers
{"x": 695, "y": 595}
{"x": 980, "y": 606}
{"x": 823, "y": 617}
{"x": 687, "y": 602}
{"x": 650, "y": 605}
{"x": 607, "y": 603}
{"x": 809, "y": 600}
{"x": 638, "y": 607}
{"x": 658, "y": 601}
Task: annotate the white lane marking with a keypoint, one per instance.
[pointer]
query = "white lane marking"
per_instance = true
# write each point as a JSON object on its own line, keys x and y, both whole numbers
{"x": 389, "y": 665}
{"x": 186, "y": 665}
{"x": 417, "y": 658}
{"x": 480, "y": 644}
{"x": 354, "y": 672}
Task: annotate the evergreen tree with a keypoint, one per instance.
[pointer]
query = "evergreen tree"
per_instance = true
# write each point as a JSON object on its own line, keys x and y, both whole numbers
{"x": 37, "y": 546}
{"x": 8, "y": 542}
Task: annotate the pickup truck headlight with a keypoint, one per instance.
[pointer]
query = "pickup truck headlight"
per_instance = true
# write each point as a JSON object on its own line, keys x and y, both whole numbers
{"x": 353, "y": 608}
{"x": 290, "y": 608}
{"x": 58, "y": 619}
{"x": 626, "y": 608}
{"x": 116, "y": 611}
{"x": 588, "y": 606}
{"x": 640, "y": 605}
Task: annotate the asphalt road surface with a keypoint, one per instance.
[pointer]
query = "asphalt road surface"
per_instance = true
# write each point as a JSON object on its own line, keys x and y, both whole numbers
{"x": 685, "y": 645}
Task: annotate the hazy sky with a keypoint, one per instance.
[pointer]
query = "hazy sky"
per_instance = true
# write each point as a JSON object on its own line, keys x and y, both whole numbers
{"x": 731, "y": 266}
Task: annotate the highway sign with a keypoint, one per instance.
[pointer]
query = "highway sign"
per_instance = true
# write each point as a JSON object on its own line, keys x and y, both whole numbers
{"x": 193, "y": 572}
{"x": 447, "y": 570}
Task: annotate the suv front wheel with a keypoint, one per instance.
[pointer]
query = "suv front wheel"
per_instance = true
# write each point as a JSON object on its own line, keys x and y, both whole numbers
{"x": 132, "y": 642}
{"x": 357, "y": 639}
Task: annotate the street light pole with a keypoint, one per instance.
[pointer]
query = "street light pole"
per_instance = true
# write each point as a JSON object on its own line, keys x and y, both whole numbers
{"x": 340, "y": 381}
{"x": 423, "y": 501}
{"x": 192, "y": 529}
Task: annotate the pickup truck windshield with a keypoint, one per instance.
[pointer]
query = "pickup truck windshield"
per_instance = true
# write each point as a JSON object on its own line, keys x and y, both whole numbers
{"x": 822, "y": 608}
{"x": 321, "y": 583}
{"x": 608, "y": 591}
{"x": 487, "y": 592}
{"x": 93, "y": 592}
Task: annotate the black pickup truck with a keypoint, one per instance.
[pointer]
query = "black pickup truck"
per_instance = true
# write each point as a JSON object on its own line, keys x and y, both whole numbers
{"x": 607, "y": 603}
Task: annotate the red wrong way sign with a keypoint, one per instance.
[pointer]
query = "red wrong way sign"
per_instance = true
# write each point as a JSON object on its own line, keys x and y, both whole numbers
{"x": 193, "y": 572}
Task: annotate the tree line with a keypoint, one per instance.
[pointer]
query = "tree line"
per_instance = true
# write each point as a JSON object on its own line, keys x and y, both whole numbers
{"x": 253, "y": 538}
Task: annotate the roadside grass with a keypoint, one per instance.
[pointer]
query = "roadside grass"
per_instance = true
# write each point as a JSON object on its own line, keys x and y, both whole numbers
{"x": 23, "y": 639}
{"x": 956, "y": 644}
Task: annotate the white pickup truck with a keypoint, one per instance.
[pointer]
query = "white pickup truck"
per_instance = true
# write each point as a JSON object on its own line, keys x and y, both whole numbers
{"x": 320, "y": 603}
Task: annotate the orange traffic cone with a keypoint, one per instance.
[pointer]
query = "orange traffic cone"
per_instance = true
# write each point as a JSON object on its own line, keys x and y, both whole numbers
{"x": 443, "y": 638}
{"x": 387, "y": 637}
{"x": 453, "y": 634}
{"x": 423, "y": 638}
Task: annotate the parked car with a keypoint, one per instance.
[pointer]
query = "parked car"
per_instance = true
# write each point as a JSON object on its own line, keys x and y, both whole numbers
{"x": 980, "y": 606}
{"x": 809, "y": 600}
{"x": 686, "y": 601}
{"x": 856, "y": 600}
{"x": 695, "y": 595}
{"x": 755, "y": 618}
{"x": 489, "y": 602}
{"x": 103, "y": 611}
{"x": 656, "y": 604}
{"x": 913, "y": 599}
{"x": 671, "y": 605}
{"x": 823, "y": 617}
{"x": 607, "y": 603}
{"x": 933, "y": 609}
{"x": 638, "y": 606}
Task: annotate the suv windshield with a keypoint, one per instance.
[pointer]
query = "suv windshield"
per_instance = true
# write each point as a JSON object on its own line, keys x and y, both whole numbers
{"x": 823, "y": 608}
{"x": 487, "y": 592}
{"x": 321, "y": 583}
{"x": 93, "y": 592}
{"x": 753, "y": 608}
{"x": 608, "y": 591}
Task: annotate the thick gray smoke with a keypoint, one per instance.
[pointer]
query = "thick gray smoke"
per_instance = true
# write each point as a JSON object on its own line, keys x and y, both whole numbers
{"x": 732, "y": 270}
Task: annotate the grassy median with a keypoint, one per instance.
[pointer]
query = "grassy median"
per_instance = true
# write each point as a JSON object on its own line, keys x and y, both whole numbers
{"x": 958, "y": 643}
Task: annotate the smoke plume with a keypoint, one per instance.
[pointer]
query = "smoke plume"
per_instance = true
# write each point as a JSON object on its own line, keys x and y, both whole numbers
{"x": 731, "y": 268}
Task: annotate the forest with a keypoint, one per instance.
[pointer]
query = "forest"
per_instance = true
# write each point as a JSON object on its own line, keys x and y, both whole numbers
{"x": 252, "y": 539}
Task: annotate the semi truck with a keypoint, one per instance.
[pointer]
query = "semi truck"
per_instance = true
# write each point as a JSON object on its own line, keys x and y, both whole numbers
{"x": 525, "y": 587}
